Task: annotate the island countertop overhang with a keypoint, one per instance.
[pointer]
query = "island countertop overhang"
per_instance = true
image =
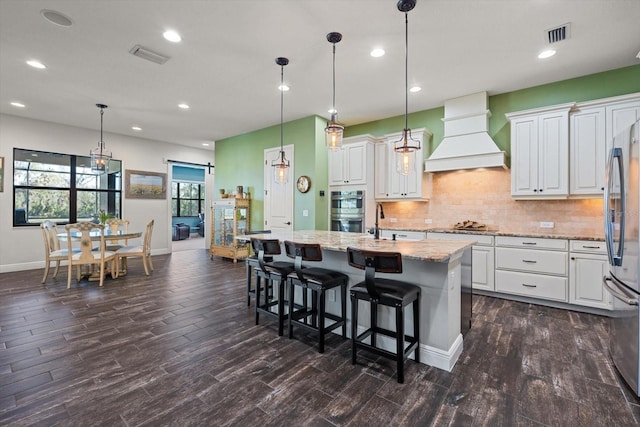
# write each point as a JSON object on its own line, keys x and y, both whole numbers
{"x": 434, "y": 250}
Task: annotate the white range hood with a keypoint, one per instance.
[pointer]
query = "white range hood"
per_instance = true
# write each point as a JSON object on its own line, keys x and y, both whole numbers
{"x": 466, "y": 143}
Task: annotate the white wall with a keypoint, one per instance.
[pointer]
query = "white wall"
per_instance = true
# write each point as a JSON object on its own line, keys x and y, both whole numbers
{"x": 21, "y": 248}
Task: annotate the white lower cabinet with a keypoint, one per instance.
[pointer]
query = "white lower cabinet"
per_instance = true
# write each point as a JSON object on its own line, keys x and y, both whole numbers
{"x": 538, "y": 273}
{"x": 559, "y": 270}
{"x": 588, "y": 265}
{"x": 532, "y": 285}
{"x": 482, "y": 257}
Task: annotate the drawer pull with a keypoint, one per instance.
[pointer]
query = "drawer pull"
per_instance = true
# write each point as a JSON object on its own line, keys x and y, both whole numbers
{"x": 529, "y": 261}
{"x": 529, "y": 243}
{"x": 528, "y": 286}
{"x": 590, "y": 247}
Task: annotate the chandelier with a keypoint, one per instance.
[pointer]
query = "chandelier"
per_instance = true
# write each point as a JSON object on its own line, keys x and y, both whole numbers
{"x": 100, "y": 156}
{"x": 281, "y": 165}
{"x": 406, "y": 147}
{"x": 334, "y": 130}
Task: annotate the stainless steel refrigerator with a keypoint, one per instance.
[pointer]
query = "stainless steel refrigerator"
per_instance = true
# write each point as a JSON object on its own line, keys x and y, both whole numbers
{"x": 622, "y": 224}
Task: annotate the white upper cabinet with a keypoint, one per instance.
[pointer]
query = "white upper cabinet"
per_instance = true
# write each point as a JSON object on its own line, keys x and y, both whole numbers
{"x": 391, "y": 185}
{"x": 621, "y": 115}
{"x": 540, "y": 153}
{"x": 594, "y": 124}
{"x": 381, "y": 176}
{"x": 351, "y": 164}
{"x": 588, "y": 152}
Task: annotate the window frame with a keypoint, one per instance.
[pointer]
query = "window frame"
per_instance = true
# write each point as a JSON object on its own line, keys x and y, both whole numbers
{"x": 200, "y": 199}
{"x": 114, "y": 191}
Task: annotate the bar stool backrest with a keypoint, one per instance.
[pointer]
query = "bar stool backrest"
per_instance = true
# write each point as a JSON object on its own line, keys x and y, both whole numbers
{"x": 372, "y": 262}
{"x": 265, "y": 248}
{"x": 302, "y": 252}
{"x": 306, "y": 251}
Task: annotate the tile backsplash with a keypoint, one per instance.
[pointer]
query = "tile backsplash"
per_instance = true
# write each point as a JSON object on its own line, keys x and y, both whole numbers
{"x": 485, "y": 196}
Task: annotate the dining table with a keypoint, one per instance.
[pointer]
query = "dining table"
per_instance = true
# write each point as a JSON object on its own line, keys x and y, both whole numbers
{"x": 109, "y": 235}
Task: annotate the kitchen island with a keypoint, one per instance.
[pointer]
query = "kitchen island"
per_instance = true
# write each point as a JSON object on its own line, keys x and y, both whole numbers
{"x": 434, "y": 265}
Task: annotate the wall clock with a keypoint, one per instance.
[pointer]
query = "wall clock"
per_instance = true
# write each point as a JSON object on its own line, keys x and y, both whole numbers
{"x": 303, "y": 184}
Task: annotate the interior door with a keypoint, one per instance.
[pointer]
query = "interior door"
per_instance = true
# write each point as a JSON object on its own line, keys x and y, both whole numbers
{"x": 278, "y": 198}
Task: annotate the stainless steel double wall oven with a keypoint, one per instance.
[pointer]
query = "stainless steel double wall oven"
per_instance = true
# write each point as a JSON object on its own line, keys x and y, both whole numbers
{"x": 347, "y": 211}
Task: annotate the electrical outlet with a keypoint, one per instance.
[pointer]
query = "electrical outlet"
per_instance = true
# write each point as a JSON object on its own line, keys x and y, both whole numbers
{"x": 332, "y": 295}
{"x": 428, "y": 221}
{"x": 545, "y": 224}
{"x": 393, "y": 219}
{"x": 305, "y": 212}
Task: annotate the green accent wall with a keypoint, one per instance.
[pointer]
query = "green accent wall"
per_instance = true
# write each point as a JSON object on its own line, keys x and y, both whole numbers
{"x": 594, "y": 86}
{"x": 239, "y": 159}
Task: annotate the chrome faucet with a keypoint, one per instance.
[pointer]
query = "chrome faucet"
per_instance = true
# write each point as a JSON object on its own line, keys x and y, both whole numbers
{"x": 379, "y": 213}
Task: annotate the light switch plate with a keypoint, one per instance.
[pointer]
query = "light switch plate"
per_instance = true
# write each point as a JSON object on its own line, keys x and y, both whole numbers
{"x": 393, "y": 219}
{"x": 305, "y": 212}
{"x": 545, "y": 224}
{"x": 428, "y": 221}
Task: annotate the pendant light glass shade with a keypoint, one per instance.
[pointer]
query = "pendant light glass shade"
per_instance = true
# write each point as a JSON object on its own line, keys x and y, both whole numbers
{"x": 405, "y": 158}
{"x": 406, "y": 147}
{"x": 281, "y": 165}
{"x": 334, "y": 130}
{"x": 100, "y": 156}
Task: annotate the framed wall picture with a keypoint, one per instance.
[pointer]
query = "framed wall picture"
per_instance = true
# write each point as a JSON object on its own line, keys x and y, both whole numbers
{"x": 1, "y": 174}
{"x": 145, "y": 185}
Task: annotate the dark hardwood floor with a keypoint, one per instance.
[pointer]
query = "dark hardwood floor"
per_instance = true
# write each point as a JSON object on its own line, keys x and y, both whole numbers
{"x": 181, "y": 348}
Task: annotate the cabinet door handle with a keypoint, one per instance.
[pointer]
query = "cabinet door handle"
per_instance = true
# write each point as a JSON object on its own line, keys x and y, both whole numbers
{"x": 529, "y": 261}
{"x": 529, "y": 286}
{"x": 529, "y": 243}
{"x": 590, "y": 247}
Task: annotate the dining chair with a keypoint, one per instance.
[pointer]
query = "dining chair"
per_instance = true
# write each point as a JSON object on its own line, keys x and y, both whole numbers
{"x": 86, "y": 256}
{"x": 52, "y": 250}
{"x": 113, "y": 225}
{"x": 143, "y": 251}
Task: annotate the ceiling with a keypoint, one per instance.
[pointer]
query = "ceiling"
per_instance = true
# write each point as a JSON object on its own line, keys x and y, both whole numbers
{"x": 225, "y": 69}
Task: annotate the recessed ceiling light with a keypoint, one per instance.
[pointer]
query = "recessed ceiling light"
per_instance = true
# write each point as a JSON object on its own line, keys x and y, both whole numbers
{"x": 184, "y": 106}
{"x": 415, "y": 89}
{"x": 206, "y": 144}
{"x": 36, "y": 64}
{"x": 546, "y": 54}
{"x": 283, "y": 88}
{"x": 136, "y": 128}
{"x": 377, "y": 53}
{"x": 18, "y": 104}
{"x": 172, "y": 36}
{"x": 56, "y": 18}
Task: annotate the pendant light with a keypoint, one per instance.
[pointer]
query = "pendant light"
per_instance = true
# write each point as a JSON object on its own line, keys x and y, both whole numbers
{"x": 281, "y": 165}
{"x": 100, "y": 157}
{"x": 406, "y": 147}
{"x": 334, "y": 130}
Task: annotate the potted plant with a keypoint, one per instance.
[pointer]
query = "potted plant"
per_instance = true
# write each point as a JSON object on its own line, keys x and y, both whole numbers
{"x": 104, "y": 216}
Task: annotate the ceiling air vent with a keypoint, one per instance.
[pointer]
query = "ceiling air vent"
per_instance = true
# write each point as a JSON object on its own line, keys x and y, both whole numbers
{"x": 149, "y": 55}
{"x": 558, "y": 34}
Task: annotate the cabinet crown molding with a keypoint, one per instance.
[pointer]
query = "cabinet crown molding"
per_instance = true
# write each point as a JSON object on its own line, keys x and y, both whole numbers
{"x": 548, "y": 109}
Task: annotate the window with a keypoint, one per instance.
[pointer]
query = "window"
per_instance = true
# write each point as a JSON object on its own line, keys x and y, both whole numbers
{"x": 61, "y": 188}
{"x": 187, "y": 198}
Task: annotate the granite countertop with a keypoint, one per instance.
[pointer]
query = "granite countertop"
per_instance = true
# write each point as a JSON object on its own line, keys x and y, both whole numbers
{"x": 495, "y": 232}
{"x": 435, "y": 250}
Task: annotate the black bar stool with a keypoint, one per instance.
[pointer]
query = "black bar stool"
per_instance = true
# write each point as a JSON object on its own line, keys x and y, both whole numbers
{"x": 270, "y": 271}
{"x": 251, "y": 263}
{"x": 317, "y": 281}
{"x": 386, "y": 292}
